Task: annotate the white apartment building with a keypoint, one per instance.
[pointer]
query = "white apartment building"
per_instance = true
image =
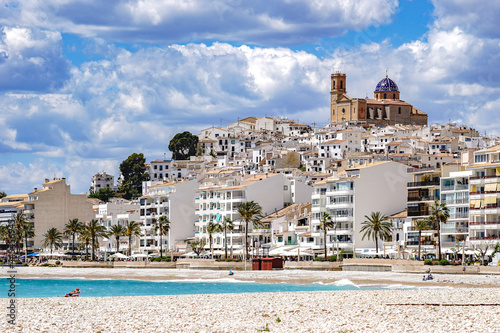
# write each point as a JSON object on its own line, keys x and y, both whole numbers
{"x": 484, "y": 225}
{"x": 102, "y": 180}
{"x": 117, "y": 212}
{"x": 455, "y": 193}
{"x": 217, "y": 200}
{"x": 175, "y": 200}
{"x": 350, "y": 196}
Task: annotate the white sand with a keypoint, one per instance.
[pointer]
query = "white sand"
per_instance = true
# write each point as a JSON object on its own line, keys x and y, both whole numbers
{"x": 338, "y": 311}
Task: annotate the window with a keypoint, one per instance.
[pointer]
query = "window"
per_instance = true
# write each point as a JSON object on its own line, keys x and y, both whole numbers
{"x": 399, "y": 110}
{"x": 393, "y": 96}
{"x": 343, "y": 111}
{"x": 155, "y": 167}
{"x": 161, "y": 167}
{"x": 480, "y": 158}
{"x": 385, "y": 96}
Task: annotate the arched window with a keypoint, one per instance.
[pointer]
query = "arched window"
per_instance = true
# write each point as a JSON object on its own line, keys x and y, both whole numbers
{"x": 393, "y": 96}
{"x": 343, "y": 111}
{"x": 333, "y": 84}
{"x": 385, "y": 96}
{"x": 341, "y": 84}
{"x": 399, "y": 110}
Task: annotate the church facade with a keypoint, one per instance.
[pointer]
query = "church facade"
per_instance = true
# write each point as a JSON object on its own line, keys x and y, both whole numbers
{"x": 384, "y": 109}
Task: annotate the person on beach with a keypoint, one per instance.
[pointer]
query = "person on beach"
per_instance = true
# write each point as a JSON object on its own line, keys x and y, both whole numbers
{"x": 231, "y": 272}
{"x": 74, "y": 293}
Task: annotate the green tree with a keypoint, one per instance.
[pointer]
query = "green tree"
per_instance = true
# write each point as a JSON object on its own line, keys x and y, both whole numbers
{"x": 440, "y": 213}
{"x": 326, "y": 223}
{"x": 211, "y": 229}
{"x": 133, "y": 171}
{"x": 85, "y": 239}
{"x": 104, "y": 194}
{"x": 73, "y": 228}
{"x": 19, "y": 221}
{"x": 132, "y": 228}
{"x": 421, "y": 225}
{"x": 225, "y": 225}
{"x": 376, "y": 226}
{"x": 28, "y": 231}
{"x": 162, "y": 226}
{"x": 53, "y": 239}
{"x": 6, "y": 235}
{"x": 249, "y": 211}
{"x": 96, "y": 230}
{"x": 2, "y": 194}
{"x": 183, "y": 145}
{"x": 117, "y": 231}
{"x": 198, "y": 245}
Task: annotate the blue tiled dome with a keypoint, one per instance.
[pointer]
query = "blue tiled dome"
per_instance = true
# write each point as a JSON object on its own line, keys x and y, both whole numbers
{"x": 386, "y": 84}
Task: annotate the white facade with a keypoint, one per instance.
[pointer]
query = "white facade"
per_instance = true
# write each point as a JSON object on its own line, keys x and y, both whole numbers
{"x": 176, "y": 202}
{"x": 348, "y": 198}
{"x": 102, "y": 180}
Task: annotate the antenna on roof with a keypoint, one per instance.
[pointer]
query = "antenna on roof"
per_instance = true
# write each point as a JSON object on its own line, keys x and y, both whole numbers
{"x": 386, "y": 73}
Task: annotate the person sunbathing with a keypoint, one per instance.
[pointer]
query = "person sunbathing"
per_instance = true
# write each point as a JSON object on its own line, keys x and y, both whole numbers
{"x": 74, "y": 293}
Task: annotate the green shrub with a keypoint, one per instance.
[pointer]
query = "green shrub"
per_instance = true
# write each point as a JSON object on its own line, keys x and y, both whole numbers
{"x": 428, "y": 262}
{"x": 58, "y": 263}
{"x": 319, "y": 259}
{"x": 332, "y": 258}
{"x": 45, "y": 265}
{"x": 25, "y": 264}
{"x": 444, "y": 262}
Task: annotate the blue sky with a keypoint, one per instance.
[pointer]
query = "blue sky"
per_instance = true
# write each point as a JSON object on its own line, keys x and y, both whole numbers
{"x": 85, "y": 83}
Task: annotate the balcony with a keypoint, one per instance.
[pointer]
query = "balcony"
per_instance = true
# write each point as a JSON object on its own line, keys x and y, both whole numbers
{"x": 415, "y": 243}
{"x": 425, "y": 183}
{"x": 420, "y": 212}
{"x": 485, "y": 238}
{"x": 423, "y": 198}
{"x": 292, "y": 242}
{"x": 484, "y": 222}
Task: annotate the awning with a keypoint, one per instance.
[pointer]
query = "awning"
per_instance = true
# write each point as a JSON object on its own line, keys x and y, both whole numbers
{"x": 490, "y": 187}
{"x": 490, "y": 200}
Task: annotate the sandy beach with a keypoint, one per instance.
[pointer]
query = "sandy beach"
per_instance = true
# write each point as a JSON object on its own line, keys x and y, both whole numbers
{"x": 450, "y": 303}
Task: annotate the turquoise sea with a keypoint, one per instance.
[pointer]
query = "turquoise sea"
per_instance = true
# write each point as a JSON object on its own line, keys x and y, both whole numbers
{"x": 29, "y": 288}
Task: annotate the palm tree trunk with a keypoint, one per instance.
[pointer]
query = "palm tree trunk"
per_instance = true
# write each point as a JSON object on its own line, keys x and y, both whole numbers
{"x": 73, "y": 246}
{"x": 161, "y": 248}
{"x": 419, "y": 243}
{"x": 117, "y": 244}
{"x": 225, "y": 243}
{"x": 93, "y": 249}
{"x": 25, "y": 249}
{"x": 376, "y": 244}
{"x": 211, "y": 251}
{"x": 246, "y": 239}
{"x": 439, "y": 241}
{"x": 325, "y": 242}
{"x": 129, "y": 245}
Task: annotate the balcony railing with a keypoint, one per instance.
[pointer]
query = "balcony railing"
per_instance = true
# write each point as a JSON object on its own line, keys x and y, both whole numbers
{"x": 423, "y": 198}
{"x": 293, "y": 242}
{"x": 426, "y": 183}
{"x": 423, "y": 212}
{"x": 485, "y": 238}
{"x": 411, "y": 243}
{"x": 485, "y": 222}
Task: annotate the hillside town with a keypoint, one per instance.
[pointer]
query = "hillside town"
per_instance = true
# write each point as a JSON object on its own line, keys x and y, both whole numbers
{"x": 315, "y": 188}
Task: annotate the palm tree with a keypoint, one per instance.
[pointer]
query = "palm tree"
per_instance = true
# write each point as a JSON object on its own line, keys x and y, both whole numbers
{"x": 249, "y": 211}
{"x": 225, "y": 225}
{"x": 377, "y": 227}
{"x": 132, "y": 228}
{"x": 19, "y": 220}
{"x": 53, "y": 238}
{"x": 96, "y": 230}
{"x": 28, "y": 231}
{"x": 326, "y": 223}
{"x": 211, "y": 229}
{"x": 85, "y": 240}
{"x": 117, "y": 231}
{"x": 420, "y": 225}
{"x": 72, "y": 228}
{"x": 162, "y": 227}
{"x": 6, "y": 235}
{"x": 439, "y": 214}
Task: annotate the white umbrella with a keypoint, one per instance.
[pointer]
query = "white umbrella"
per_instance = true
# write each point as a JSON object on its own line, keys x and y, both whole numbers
{"x": 119, "y": 256}
{"x": 138, "y": 255}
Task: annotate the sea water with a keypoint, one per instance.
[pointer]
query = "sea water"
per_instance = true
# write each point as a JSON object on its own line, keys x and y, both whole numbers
{"x": 29, "y": 288}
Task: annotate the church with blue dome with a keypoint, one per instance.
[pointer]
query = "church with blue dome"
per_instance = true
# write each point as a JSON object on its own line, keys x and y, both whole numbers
{"x": 386, "y": 107}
